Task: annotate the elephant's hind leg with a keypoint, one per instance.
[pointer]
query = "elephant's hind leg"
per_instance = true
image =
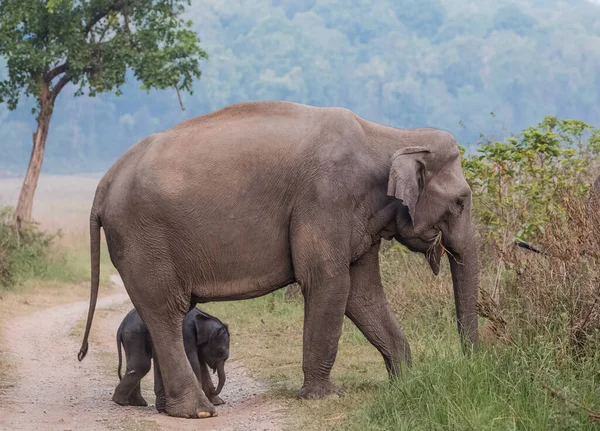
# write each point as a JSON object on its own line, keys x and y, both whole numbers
{"x": 136, "y": 398}
{"x": 369, "y": 310}
{"x": 128, "y": 391}
{"x": 162, "y": 304}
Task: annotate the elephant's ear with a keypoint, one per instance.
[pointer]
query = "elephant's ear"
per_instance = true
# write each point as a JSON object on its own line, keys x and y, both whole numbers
{"x": 406, "y": 177}
{"x": 203, "y": 329}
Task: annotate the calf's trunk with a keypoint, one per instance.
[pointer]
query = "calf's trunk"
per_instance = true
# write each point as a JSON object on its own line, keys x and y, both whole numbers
{"x": 221, "y": 374}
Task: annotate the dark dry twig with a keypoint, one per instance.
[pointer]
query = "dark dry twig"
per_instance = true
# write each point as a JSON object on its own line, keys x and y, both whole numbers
{"x": 592, "y": 416}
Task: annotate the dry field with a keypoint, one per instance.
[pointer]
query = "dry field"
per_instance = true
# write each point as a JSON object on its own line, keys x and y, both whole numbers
{"x": 61, "y": 202}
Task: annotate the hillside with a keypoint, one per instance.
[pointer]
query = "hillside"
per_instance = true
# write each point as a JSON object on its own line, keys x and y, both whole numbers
{"x": 442, "y": 63}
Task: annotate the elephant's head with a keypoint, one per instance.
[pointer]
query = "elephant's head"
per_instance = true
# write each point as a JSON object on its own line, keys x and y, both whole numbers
{"x": 212, "y": 337}
{"x": 435, "y": 216}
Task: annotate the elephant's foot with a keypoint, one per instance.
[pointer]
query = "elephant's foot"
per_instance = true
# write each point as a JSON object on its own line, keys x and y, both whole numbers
{"x": 192, "y": 407}
{"x": 161, "y": 403}
{"x": 216, "y": 400}
{"x": 120, "y": 399}
{"x": 137, "y": 401}
{"x": 317, "y": 391}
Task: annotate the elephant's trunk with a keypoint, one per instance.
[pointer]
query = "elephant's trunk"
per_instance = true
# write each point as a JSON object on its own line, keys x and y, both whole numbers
{"x": 465, "y": 279}
{"x": 221, "y": 374}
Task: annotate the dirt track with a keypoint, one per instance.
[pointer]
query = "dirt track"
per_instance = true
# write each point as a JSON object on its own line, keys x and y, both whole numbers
{"x": 56, "y": 392}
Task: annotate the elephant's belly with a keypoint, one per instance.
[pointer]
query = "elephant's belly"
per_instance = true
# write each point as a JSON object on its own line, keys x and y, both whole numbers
{"x": 245, "y": 269}
{"x": 242, "y": 288}
{"x": 246, "y": 277}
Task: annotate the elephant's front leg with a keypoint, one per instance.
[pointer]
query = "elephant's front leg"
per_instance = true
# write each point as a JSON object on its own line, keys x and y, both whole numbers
{"x": 159, "y": 387}
{"x": 369, "y": 310}
{"x": 325, "y": 295}
{"x": 177, "y": 390}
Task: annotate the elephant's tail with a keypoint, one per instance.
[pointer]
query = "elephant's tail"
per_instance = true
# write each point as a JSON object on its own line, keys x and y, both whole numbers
{"x": 95, "y": 225}
{"x": 119, "y": 343}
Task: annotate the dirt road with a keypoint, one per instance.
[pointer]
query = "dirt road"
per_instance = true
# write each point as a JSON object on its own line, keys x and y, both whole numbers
{"x": 56, "y": 392}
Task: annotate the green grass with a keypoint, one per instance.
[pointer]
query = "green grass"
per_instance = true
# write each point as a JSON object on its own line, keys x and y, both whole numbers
{"x": 498, "y": 388}
{"x": 60, "y": 265}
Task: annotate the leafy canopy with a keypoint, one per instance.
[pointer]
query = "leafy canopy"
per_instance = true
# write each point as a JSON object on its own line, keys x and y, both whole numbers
{"x": 92, "y": 43}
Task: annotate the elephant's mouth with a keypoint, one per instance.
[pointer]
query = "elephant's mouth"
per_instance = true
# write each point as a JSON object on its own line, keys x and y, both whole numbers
{"x": 430, "y": 244}
{"x": 421, "y": 242}
{"x": 435, "y": 252}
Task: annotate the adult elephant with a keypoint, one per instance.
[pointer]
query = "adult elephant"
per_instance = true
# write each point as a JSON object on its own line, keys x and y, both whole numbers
{"x": 248, "y": 199}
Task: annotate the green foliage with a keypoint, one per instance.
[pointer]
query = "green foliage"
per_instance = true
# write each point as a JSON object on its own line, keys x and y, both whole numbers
{"x": 512, "y": 18}
{"x": 21, "y": 255}
{"x": 93, "y": 43}
{"x": 518, "y": 184}
{"x": 40, "y": 256}
{"x": 424, "y": 21}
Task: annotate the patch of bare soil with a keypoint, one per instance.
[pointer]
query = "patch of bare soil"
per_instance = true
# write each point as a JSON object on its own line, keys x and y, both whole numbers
{"x": 56, "y": 392}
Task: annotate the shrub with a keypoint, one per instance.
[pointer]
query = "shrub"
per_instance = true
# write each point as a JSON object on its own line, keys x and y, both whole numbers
{"x": 535, "y": 187}
{"x": 518, "y": 184}
{"x": 24, "y": 254}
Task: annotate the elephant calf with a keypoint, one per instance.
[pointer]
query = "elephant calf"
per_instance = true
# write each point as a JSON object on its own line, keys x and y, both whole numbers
{"x": 206, "y": 341}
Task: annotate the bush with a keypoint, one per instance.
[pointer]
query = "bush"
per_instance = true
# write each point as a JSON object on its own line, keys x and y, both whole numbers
{"x": 518, "y": 184}
{"x": 24, "y": 255}
{"x": 535, "y": 187}
{"x": 556, "y": 294}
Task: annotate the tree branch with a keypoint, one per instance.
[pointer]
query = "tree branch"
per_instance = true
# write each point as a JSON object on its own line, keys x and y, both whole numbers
{"x": 49, "y": 76}
{"x": 60, "y": 85}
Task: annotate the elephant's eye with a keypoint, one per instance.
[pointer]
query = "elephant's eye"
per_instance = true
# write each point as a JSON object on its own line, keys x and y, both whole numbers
{"x": 458, "y": 207}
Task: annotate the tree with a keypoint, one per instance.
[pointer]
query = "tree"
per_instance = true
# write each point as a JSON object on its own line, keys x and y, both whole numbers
{"x": 91, "y": 44}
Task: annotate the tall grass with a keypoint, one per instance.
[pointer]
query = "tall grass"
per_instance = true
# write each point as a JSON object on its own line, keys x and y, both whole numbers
{"x": 555, "y": 294}
{"x": 495, "y": 389}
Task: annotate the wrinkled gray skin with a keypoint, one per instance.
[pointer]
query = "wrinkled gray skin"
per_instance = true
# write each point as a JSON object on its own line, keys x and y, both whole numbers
{"x": 253, "y": 197}
{"x": 206, "y": 343}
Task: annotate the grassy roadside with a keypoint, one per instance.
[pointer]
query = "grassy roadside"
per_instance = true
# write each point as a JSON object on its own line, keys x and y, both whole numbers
{"x": 499, "y": 387}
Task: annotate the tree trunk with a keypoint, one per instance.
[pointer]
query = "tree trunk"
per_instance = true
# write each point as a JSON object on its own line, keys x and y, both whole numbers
{"x": 25, "y": 204}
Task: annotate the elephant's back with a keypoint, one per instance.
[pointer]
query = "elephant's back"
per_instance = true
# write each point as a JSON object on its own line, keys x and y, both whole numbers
{"x": 133, "y": 327}
{"x": 216, "y": 194}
